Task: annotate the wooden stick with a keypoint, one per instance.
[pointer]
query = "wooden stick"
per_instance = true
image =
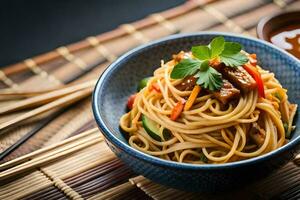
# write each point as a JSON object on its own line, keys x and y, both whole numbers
{"x": 119, "y": 32}
{"x": 44, "y": 154}
{"x": 42, "y": 123}
{"x": 26, "y": 93}
{"x": 23, "y": 95}
{"x": 57, "y": 103}
{"x": 45, "y": 159}
{"x": 47, "y": 97}
{"x": 9, "y": 93}
{"x": 48, "y": 149}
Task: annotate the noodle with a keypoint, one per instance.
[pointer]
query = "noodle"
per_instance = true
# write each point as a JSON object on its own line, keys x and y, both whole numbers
{"x": 209, "y": 129}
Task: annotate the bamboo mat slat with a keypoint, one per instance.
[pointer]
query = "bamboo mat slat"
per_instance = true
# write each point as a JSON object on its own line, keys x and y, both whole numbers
{"x": 80, "y": 166}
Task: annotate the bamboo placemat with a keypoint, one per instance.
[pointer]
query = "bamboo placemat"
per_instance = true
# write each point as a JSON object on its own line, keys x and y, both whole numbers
{"x": 86, "y": 60}
{"x": 83, "y": 167}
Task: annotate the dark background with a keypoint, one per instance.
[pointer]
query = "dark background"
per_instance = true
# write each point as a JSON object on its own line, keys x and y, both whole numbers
{"x": 32, "y": 27}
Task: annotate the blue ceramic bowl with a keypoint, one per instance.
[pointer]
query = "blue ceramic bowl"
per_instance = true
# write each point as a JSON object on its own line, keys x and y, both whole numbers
{"x": 120, "y": 80}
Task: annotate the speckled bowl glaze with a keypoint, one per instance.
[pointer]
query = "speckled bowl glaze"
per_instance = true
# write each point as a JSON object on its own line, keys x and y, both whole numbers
{"x": 120, "y": 80}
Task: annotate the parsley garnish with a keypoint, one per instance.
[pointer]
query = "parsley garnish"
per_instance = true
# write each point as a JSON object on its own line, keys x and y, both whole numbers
{"x": 228, "y": 53}
{"x": 209, "y": 78}
{"x": 185, "y": 68}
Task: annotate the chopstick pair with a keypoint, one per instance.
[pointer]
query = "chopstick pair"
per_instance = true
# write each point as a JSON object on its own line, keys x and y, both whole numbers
{"x": 47, "y": 101}
{"x": 10, "y": 94}
{"x": 49, "y": 154}
{"x": 44, "y": 97}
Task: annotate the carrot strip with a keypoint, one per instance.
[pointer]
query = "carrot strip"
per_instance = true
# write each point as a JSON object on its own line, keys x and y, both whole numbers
{"x": 177, "y": 110}
{"x": 155, "y": 87}
{"x": 215, "y": 62}
{"x": 192, "y": 97}
{"x": 253, "y": 59}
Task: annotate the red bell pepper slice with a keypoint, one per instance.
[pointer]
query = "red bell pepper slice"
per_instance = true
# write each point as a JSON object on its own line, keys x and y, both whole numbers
{"x": 130, "y": 101}
{"x": 257, "y": 77}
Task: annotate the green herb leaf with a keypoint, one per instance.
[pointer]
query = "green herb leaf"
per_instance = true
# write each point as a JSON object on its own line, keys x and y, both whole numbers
{"x": 209, "y": 78}
{"x": 201, "y": 52}
{"x": 231, "y": 48}
{"x": 204, "y": 65}
{"x": 217, "y": 46}
{"x": 229, "y": 53}
{"x": 185, "y": 68}
{"x": 234, "y": 60}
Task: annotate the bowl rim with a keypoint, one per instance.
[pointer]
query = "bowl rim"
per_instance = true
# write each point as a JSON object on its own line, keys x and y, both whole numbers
{"x": 165, "y": 163}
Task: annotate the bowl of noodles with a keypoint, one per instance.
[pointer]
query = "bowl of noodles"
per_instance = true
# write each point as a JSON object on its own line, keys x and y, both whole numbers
{"x": 203, "y": 112}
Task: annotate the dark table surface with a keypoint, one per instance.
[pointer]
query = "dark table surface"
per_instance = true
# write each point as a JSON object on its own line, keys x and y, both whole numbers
{"x": 31, "y": 27}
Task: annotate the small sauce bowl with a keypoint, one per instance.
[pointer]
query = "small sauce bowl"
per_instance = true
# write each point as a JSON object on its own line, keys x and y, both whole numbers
{"x": 283, "y": 30}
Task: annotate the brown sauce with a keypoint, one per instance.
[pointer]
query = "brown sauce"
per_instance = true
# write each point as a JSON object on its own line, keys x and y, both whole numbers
{"x": 288, "y": 38}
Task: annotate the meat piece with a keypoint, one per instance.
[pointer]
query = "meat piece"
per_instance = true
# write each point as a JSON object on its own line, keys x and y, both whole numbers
{"x": 187, "y": 84}
{"x": 227, "y": 92}
{"x": 239, "y": 77}
{"x": 257, "y": 134}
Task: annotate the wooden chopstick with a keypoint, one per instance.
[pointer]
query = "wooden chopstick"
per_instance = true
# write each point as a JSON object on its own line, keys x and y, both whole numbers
{"x": 66, "y": 100}
{"x": 53, "y": 155}
{"x": 49, "y": 157}
{"x": 25, "y": 93}
{"x": 45, "y": 98}
{"x": 22, "y": 93}
{"x": 29, "y": 134}
{"x": 7, "y": 94}
{"x": 47, "y": 149}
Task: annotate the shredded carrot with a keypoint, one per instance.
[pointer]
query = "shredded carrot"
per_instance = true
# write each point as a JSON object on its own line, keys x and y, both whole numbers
{"x": 177, "y": 110}
{"x": 215, "y": 62}
{"x": 196, "y": 90}
{"x": 155, "y": 87}
{"x": 252, "y": 59}
{"x": 253, "y": 55}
